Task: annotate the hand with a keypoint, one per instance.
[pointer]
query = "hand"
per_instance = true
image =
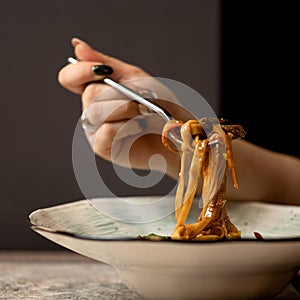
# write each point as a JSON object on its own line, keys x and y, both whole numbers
{"x": 121, "y": 125}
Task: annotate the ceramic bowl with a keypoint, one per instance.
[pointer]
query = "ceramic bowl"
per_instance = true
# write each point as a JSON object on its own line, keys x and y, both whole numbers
{"x": 245, "y": 269}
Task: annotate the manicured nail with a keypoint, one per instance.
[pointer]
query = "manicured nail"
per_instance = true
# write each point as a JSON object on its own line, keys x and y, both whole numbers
{"x": 102, "y": 70}
{"x": 75, "y": 41}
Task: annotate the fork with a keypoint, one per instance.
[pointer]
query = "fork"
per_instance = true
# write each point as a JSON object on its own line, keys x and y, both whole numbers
{"x": 144, "y": 101}
{"x": 126, "y": 91}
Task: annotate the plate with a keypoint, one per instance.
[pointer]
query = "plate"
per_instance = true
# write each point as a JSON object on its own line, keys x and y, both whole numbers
{"x": 245, "y": 269}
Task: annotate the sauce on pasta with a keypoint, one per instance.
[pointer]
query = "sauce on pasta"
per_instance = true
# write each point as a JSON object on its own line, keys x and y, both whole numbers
{"x": 206, "y": 154}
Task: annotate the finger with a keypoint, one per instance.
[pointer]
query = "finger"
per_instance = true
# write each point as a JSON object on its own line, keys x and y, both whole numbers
{"x": 100, "y": 112}
{"x": 126, "y": 144}
{"x": 75, "y": 77}
{"x": 98, "y": 91}
{"x": 110, "y": 135}
{"x": 122, "y": 70}
{"x": 84, "y": 51}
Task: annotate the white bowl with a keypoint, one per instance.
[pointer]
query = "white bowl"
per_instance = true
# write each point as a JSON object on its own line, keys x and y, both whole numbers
{"x": 243, "y": 269}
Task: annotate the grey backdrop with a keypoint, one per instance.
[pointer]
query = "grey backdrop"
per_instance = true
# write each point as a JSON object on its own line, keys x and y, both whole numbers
{"x": 171, "y": 38}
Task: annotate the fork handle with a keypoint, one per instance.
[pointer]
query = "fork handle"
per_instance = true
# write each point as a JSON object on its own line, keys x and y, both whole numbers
{"x": 134, "y": 96}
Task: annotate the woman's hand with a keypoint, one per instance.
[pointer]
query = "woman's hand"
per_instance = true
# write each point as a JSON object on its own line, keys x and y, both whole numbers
{"x": 124, "y": 134}
{"x": 262, "y": 175}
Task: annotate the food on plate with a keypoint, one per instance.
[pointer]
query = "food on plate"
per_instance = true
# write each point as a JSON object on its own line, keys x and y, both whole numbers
{"x": 206, "y": 154}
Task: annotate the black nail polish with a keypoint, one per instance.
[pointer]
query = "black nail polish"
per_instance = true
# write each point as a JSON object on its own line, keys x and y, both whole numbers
{"x": 102, "y": 70}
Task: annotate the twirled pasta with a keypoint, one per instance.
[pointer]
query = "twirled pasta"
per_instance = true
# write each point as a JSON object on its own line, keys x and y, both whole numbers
{"x": 207, "y": 143}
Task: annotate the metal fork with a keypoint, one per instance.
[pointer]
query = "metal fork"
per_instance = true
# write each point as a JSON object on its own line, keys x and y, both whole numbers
{"x": 144, "y": 101}
{"x": 126, "y": 91}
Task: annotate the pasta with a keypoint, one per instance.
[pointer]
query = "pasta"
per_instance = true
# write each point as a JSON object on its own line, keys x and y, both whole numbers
{"x": 206, "y": 154}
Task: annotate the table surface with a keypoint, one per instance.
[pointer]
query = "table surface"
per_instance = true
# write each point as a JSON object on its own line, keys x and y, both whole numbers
{"x": 66, "y": 275}
{"x": 58, "y": 275}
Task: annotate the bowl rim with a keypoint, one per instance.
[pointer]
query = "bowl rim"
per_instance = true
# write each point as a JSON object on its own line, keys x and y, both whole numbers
{"x": 36, "y": 227}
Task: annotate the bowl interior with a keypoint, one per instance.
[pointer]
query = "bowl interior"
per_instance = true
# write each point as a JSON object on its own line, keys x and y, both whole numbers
{"x": 83, "y": 219}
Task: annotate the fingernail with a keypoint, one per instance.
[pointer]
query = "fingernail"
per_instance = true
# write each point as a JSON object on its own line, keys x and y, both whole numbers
{"x": 102, "y": 70}
{"x": 75, "y": 41}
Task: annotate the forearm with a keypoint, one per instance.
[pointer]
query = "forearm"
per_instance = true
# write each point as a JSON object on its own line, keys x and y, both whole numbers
{"x": 264, "y": 175}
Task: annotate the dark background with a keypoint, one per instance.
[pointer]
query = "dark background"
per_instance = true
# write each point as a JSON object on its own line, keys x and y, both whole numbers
{"x": 260, "y": 71}
{"x": 242, "y": 56}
